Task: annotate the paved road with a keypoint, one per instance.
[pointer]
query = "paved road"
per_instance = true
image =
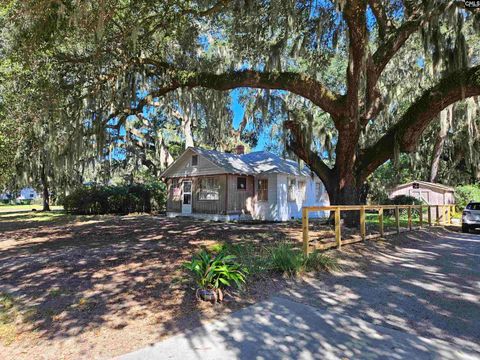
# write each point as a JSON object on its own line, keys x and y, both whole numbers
{"x": 416, "y": 298}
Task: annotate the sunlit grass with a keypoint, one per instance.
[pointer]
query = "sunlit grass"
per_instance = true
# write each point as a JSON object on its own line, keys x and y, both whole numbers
{"x": 11, "y": 208}
{"x": 8, "y": 316}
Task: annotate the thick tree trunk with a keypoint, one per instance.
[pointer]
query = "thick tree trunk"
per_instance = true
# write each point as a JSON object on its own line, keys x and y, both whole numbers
{"x": 46, "y": 194}
{"x": 349, "y": 194}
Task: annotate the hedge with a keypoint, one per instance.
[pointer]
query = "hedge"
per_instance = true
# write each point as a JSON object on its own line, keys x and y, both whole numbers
{"x": 96, "y": 199}
{"x": 466, "y": 193}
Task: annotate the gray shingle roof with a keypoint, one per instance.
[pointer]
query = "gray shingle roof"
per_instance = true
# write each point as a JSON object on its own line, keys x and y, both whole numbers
{"x": 259, "y": 162}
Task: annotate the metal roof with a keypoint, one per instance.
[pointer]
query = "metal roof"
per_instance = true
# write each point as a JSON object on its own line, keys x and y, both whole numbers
{"x": 426, "y": 183}
{"x": 255, "y": 163}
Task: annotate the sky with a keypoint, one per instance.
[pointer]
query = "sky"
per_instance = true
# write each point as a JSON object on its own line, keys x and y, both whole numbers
{"x": 238, "y": 112}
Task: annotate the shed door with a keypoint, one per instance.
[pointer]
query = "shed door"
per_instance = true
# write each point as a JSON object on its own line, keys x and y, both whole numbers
{"x": 187, "y": 197}
{"x": 421, "y": 195}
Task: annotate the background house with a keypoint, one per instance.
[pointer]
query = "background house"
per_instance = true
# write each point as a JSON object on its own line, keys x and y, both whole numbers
{"x": 259, "y": 185}
{"x": 430, "y": 193}
{"x": 24, "y": 194}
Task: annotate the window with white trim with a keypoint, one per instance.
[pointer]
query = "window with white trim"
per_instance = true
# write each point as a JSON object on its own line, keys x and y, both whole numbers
{"x": 209, "y": 189}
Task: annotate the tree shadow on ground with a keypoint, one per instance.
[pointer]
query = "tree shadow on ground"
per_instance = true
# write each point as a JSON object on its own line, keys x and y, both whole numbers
{"x": 74, "y": 276}
{"x": 421, "y": 283}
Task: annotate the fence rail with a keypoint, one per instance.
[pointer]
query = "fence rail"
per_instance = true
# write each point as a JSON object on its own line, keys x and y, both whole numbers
{"x": 443, "y": 215}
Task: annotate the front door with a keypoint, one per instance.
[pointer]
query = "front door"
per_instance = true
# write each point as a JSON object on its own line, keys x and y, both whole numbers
{"x": 187, "y": 197}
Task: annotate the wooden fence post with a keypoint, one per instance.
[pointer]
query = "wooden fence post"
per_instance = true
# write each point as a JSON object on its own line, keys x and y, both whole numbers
{"x": 420, "y": 214}
{"x": 362, "y": 222}
{"x": 409, "y": 212}
{"x": 397, "y": 219}
{"x": 338, "y": 228}
{"x": 429, "y": 215}
{"x": 449, "y": 218}
{"x": 380, "y": 220}
{"x": 305, "y": 230}
{"x": 438, "y": 215}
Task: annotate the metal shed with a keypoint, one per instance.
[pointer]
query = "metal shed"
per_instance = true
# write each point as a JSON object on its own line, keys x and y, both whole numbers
{"x": 430, "y": 193}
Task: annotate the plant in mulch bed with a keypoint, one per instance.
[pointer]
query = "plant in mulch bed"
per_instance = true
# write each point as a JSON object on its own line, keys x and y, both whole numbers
{"x": 213, "y": 273}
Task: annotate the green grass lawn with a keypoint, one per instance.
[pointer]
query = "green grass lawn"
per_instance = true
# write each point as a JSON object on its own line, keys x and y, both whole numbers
{"x": 12, "y": 208}
{"x": 389, "y": 221}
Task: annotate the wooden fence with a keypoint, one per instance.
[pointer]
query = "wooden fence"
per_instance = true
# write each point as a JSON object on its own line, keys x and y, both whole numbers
{"x": 443, "y": 215}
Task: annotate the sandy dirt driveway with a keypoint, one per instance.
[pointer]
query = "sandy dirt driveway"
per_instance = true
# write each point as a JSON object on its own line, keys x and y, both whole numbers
{"x": 425, "y": 283}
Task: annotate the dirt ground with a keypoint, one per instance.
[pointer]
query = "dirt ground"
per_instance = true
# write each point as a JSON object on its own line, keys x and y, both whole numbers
{"x": 96, "y": 287}
{"x": 103, "y": 286}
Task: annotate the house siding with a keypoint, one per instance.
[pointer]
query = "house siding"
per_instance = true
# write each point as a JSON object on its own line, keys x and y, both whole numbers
{"x": 240, "y": 201}
{"x": 174, "y": 202}
{"x": 209, "y": 206}
{"x": 266, "y": 210}
{"x": 184, "y": 168}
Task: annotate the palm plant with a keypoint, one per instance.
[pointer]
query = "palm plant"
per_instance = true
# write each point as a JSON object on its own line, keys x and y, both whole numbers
{"x": 212, "y": 273}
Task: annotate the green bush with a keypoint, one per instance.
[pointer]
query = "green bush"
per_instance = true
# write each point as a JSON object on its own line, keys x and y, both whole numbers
{"x": 289, "y": 260}
{"x": 116, "y": 199}
{"x": 466, "y": 193}
{"x": 286, "y": 259}
{"x": 282, "y": 257}
{"x": 213, "y": 272}
{"x": 404, "y": 200}
{"x": 318, "y": 261}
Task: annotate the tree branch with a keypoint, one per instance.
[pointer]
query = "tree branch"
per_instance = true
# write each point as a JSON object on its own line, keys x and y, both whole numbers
{"x": 406, "y": 132}
{"x": 299, "y": 146}
{"x": 293, "y": 82}
{"x": 355, "y": 17}
{"x": 384, "y": 23}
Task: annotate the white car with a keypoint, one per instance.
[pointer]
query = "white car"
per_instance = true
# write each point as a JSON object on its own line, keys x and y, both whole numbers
{"x": 471, "y": 217}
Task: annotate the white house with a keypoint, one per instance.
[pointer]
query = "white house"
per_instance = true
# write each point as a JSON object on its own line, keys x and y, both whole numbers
{"x": 25, "y": 194}
{"x": 224, "y": 186}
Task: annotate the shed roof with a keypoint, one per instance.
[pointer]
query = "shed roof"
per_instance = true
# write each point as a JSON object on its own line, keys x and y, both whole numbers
{"x": 255, "y": 163}
{"x": 427, "y": 184}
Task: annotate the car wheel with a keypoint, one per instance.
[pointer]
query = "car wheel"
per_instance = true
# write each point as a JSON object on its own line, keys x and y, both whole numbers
{"x": 465, "y": 228}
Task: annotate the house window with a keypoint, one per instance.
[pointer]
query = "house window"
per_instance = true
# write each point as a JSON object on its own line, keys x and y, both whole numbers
{"x": 209, "y": 189}
{"x": 241, "y": 183}
{"x": 194, "y": 160}
{"x": 262, "y": 190}
{"x": 302, "y": 187}
{"x": 175, "y": 184}
{"x": 292, "y": 188}
{"x": 318, "y": 191}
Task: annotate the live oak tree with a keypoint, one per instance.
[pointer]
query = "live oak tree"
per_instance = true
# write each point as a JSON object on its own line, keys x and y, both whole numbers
{"x": 121, "y": 57}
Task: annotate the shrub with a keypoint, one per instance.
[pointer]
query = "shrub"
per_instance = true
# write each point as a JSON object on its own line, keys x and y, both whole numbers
{"x": 116, "y": 199}
{"x": 283, "y": 258}
{"x": 254, "y": 258}
{"x": 286, "y": 259}
{"x": 466, "y": 193}
{"x": 213, "y": 272}
{"x": 318, "y": 261}
{"x": 404, "y": 200}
